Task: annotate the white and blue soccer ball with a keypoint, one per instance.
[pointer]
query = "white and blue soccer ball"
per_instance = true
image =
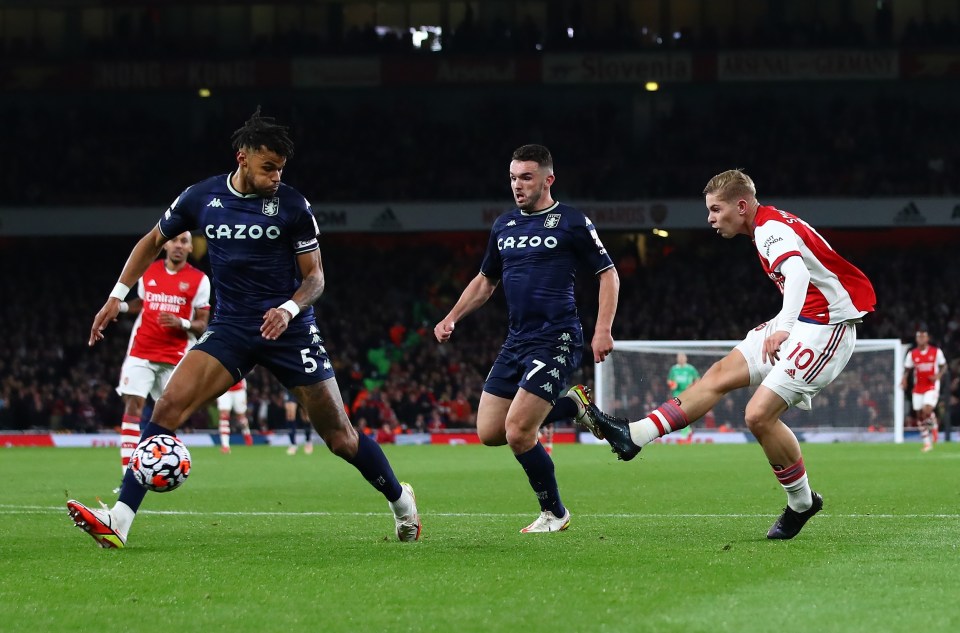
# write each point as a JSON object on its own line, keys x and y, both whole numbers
{"x": 160, "y": 463}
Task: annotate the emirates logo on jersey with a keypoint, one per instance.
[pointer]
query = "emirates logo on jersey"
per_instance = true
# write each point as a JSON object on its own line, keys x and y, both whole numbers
{"x": 271, "y": 206}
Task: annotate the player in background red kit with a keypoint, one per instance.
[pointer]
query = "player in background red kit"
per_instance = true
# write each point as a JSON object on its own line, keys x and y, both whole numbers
{"x": 173, "y": 309}
{"x": 790, "y": 359}
{"x": 234, "y": 400}
{"x": 928, "y": 364}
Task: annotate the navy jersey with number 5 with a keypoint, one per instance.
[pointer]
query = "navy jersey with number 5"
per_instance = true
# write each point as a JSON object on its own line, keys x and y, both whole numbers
{"x": 253, "y": 244}
{"x": 537, "y": 256}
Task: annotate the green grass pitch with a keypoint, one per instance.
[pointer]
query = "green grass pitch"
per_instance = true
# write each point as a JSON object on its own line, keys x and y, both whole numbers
{"x": 673, "y": 541}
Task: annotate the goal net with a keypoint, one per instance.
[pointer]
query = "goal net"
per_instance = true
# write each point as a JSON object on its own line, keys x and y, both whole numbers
{"x": 864, "y": 403}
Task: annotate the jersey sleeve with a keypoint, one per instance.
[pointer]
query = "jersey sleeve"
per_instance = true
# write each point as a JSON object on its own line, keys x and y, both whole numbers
{"x": 941, "y": 359}
{"x": 908, "y": 361}
{"x": 590, "y": 250}
{"x": 180, "y": 216}
{"x": 492, "y": 265}
{"x": 305, "y": 230}
{"x": 140, "y": 290}
{"x": 776, "y": 242}
{"x": 201, "y": 301}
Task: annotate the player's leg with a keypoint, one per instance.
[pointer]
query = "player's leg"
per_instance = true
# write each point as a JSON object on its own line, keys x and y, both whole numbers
{"x": 627, "y": 438}
{"x": 224, "y": 406}
{"x": 545, "y": 437}
{"x": 491, "y": 419}
{"x": 325, "y": 410}
{"x": 307, "y": 431}
{"x": 137, "y": 378}
{"x": 524, "y": 418}
{"x": 810, "y": 359}
{"x": 198, "y": 378}
{"x": 742, "y": 367}
{"x": 240, "y": 409}
{"x": 928, "y": 419}
{"x": 728, "y": 374}
{"x": 290, "y": 410}
{"x": 130, "y": 428}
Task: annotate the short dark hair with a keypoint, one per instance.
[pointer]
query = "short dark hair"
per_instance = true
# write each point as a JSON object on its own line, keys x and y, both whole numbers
{"x": 537, "y": 153}
{"x": 263, "y": 131}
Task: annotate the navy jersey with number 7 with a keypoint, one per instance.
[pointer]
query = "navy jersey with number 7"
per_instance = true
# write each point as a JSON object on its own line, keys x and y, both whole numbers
{"x": 537, "y": 256}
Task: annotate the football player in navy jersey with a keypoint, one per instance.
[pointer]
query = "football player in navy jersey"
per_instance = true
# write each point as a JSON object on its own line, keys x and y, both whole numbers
{"x": 536, "y": 250}
{"x": 267, "y": 273}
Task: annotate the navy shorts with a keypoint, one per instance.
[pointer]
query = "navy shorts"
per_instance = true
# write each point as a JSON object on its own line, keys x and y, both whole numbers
{"x": 541, "y": 367}
{"x": 297, "y": 358}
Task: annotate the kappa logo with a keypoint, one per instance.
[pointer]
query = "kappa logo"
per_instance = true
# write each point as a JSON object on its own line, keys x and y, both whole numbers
{"x": 547, "y": 387}
{"x": 552, "y": 221}
{"x": 512, "y": 223}
{"x": 271, "y": 206}
{"x": 215, "y": 203}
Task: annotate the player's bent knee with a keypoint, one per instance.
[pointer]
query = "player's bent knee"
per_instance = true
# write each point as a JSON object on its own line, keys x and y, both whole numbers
{"x": 520, "y": 441}
{"x": 757, "y": 421}
{"x": 341, "y": 443}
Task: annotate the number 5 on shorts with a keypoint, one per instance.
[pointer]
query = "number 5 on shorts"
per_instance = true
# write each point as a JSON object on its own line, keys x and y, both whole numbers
{"x": 309, "y": 365}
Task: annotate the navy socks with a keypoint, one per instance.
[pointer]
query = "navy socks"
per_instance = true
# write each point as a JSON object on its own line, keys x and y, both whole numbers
{"x": 539, "y": 468}
{"x": 373, "y": 465}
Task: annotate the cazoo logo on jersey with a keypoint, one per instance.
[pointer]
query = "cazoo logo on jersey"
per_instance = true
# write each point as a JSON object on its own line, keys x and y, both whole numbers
{"x": 240, "y": 231}
{"x": 526, "y": 241}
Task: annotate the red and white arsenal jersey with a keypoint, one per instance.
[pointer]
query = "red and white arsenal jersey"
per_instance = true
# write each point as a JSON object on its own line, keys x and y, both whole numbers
{"x": 925, "y": 365}
{"x": 239, "y": 386}
{"x": 179, "y": 293}
{"x": 837, "y": 292}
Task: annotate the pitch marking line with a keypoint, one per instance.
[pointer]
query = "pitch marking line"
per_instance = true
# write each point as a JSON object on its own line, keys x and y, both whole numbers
{"x": 18, "y": 509}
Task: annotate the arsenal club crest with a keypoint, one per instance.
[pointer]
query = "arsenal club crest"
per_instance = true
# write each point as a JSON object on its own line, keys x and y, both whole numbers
{"x": 184, "y": 286}
{"x": 271, "y": 206}
{"x": 553, "y": 219}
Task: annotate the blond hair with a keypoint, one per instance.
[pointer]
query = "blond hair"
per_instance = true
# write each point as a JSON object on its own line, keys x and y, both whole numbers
{"x": 731, "y": 184}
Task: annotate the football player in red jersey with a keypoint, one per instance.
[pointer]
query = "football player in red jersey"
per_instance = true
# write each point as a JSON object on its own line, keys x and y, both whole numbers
{"x": 172, "y": 309}
{"x": 928, "y": 364}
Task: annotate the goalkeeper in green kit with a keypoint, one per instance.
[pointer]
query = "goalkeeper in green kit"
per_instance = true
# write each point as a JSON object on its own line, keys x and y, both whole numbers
{"x": 681, "y": 376}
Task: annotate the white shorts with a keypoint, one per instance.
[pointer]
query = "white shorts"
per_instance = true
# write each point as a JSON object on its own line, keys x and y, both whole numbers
{"x": 810, "y": 359}
{"x": 139, "y": 377}
{"x": 235, "y": 401}
{"x": 927, "y": 398}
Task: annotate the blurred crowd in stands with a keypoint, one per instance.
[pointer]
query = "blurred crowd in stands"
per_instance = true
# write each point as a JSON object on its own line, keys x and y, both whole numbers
{"x": 412, "y": 148}
{"x": 384, "y": 294}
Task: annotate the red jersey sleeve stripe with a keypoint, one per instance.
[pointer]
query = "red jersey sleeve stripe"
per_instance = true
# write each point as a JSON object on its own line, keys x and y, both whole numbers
{"x": 775, "y": 263}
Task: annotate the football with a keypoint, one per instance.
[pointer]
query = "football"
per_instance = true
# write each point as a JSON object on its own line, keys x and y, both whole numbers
{"x": 160, "y": 463}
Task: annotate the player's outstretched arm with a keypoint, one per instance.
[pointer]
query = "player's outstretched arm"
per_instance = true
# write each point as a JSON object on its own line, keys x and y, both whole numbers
{"x": 139, "y": 260}
{"x": 313, "y": 282}
{"x": 477, "y": 292}
{"x": 602, "y": 343}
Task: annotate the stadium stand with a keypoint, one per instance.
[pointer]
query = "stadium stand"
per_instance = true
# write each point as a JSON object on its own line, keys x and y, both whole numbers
{"x": 106, "y": 140}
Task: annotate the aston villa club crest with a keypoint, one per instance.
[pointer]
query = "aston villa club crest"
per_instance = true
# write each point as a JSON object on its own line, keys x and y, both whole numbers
{"x": 271, "y": 206}
{"x": 553, "y": 219}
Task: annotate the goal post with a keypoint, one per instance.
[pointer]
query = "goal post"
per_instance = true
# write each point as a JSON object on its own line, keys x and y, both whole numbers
{"x": 864, "y": 403}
